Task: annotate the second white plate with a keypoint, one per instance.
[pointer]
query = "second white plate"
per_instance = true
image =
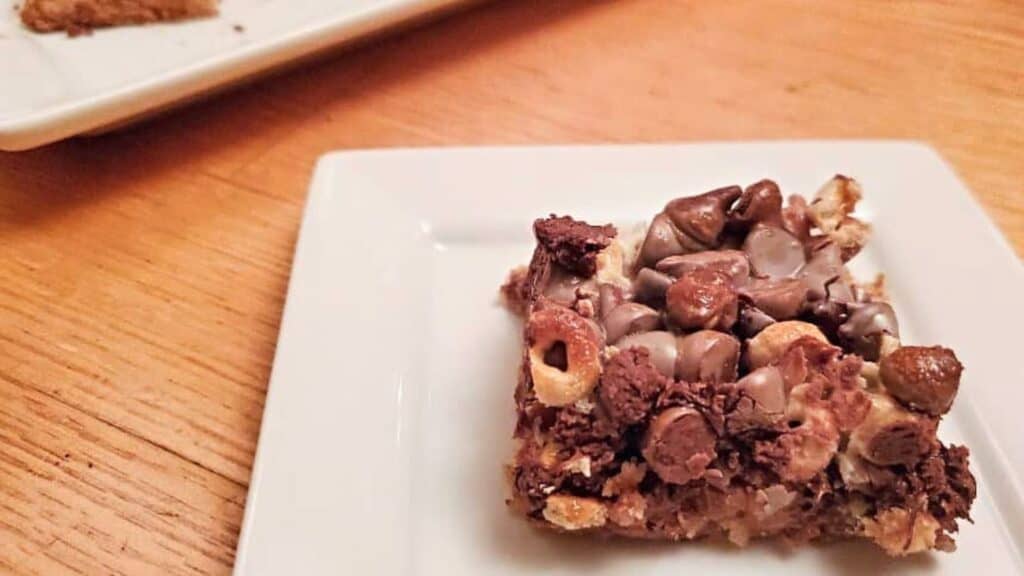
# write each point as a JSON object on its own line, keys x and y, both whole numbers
{"x": 54, "y": 86}
{"x": 390, "y": 406}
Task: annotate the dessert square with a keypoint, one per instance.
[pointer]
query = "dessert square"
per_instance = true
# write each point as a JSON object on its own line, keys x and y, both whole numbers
{"x": 724, "y": 375}
{"x": 81, "y": 16}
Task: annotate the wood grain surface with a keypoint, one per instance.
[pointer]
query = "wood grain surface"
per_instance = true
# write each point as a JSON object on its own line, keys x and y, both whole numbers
{"x": 144, "y": 272}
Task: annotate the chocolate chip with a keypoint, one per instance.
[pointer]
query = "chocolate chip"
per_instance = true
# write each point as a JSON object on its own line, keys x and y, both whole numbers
{"x": 924, "y": 378}
{"x": 707, "y": 356}
{"x": 780, "y": 298}
{"x": 703, "y": 299}
{"x": 703, "y": 217}
{"x": 866, "y": 324}
{"x": 760, "y": 202}
{"x": 731, "y": 262}
{"x": 773, "y": 252}
{"x": 825, "y": 265}
{"x": 650, "y": 286}
{"x": 678, "y": 445}
{"x": 690, "y": 224}
{"x": 661, "y": 346}
{"x": 629, "y": 318}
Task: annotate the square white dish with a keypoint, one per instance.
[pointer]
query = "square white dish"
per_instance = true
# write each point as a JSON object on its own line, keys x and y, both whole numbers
{"x": 389, "y": 412}
{"x": 55, "y": 86}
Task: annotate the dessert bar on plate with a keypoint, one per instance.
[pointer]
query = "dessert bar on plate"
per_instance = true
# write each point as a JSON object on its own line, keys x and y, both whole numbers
{"x": 723, "y": 374}
{"x": 389, "y": 416}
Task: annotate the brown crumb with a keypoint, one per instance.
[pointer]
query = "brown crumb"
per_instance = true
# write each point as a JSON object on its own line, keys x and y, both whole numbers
{"x": 238, "y": 28}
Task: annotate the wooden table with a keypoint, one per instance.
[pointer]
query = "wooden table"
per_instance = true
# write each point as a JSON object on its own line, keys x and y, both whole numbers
{"x": 144, "y": 272}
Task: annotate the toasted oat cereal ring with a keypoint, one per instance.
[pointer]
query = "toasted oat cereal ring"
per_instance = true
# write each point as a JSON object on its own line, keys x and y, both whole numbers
{"x": 578, "y": 366}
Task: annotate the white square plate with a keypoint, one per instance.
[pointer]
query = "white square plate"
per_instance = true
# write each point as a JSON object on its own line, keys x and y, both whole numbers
{"x": 390, "y": 406}
{"x": 53, "y": 86}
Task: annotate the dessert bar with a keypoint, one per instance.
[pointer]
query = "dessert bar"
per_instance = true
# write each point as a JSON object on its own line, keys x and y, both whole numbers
{"x": 723, "y": 375}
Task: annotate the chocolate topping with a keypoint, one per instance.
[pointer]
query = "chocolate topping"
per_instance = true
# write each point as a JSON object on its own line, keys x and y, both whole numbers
{"x": 650, "y": 286}
{"x": 707, "y": 356}
{"x": 731, "y": 262}
{"x": 703, "y": 299}
{"x": 629, "y": 386}
{"x": 867, "y": 323}
{"x": 924, "y": 378}
{"x": 573, "y": 244}
{"x": 679, "y": 445}
{"x": 773, "y": 252}
{"x": 780, "y": 298}
{"x": 629, "y": 318}
{"x": 660, "y": 345}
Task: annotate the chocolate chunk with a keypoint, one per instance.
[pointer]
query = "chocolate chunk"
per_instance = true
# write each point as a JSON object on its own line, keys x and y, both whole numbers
{"x": 707, "y": 356}
{"x": 899, "y": 443}
{"x": 773, "y": 252}
{"x": 629, "y": 318}
{"x": 650, "y": 286}
{"x": 866, "y": 324}
{"x": 679, "y": 445}
{"x": 731, "y": 262}
{"x": 760, "y": 202}
{"x": 924, "y": 378}
{"x": 703, "y": 299}
{"x": 661, "y": 346}
{"x": 629, "y": 386}
{"x": 573, "y": 244}
{"x": 780, "y": 298}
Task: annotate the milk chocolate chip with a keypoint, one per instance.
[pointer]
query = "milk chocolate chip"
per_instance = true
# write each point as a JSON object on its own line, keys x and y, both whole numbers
{"x": 773, "y": 252}
{"x": 659, "y": 344}
{"x": 629, "y": 318}
{"x": 690, "y": 224}
{"x": 707, "y": 356}
{"x": 824, "y": 267}
{"x": 762, "y": 400}
{"x": 731, "y": 262}
{"x": 650, "y": 286}
{"x": 867, "y": 323}
{"x": 924, "y": 378}
{"x": 780, "y": 298}
{"x": 703, "y": 299}
{"x": 678, "y": 445}
{"x": 702, "y": 217}
{"x": 760, "y": 202}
